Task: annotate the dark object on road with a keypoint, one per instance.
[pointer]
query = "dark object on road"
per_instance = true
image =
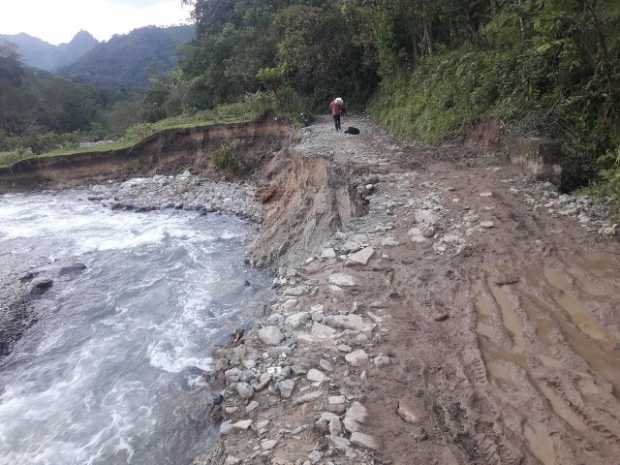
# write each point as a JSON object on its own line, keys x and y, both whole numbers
{"x": 352, "y": 131}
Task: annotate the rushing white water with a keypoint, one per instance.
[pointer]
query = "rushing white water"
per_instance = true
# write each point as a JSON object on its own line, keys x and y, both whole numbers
{"x": 111, "y": 371}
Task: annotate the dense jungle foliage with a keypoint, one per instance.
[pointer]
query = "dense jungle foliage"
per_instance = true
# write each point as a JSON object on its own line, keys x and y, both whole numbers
{"x": 426, "y": 69}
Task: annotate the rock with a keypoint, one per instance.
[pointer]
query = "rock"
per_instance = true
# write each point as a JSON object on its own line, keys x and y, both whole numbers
{"x": 342, "y": 280}
{"x": 286, "y": 388}
{"x": 441, "y": 317}
{"x": 357, "y": 358}
{"x": 486, "y": 194}
{"x": 362, "y": 257}
{"x": 353, "y": 322}
{"x": 609, "y": 231}
{"x": 233, "y": 375}
{"x": 328, "y": 253}
{"x": 290, "y": 304}
{"x": 29, "y": 276}
{"x": 227, "y": 427}
{"x": 296, "y": 291}
{"x": 340, "y": 443}
{"x": 390, "y": 242}
{"x": 270, "y": 335}
{"x": 355, "y": 417}
{"x": 243, "y": 425}
{"x": 410, "y": 411}
{"x": 262, "y": 382}
{"x": 252, "y": 406}
{"x": 298, "y": 319}
{"x": 268, "y": 444}
{"x": 487, "y": 224}
{"x": 316, "y": 376}
{"x": 40, "y": 287}
{"x": 428, "y": 232}
{"x": 329, "y": 423}
{"x": 315, "y": 457}
{"x": 425, "y": 217}
{"x": 364, "y": 440}
{"x": 351, "y": 246}
{"x": 308, "y": 398}
{"x": 72, "y": 269}
{"x": 417, "y": 236}
{"x": 382, "y": 361}
{"x": 244, "y": 390}
{"x": 232, "y": 460}
{"x": 336, "y": 400}
{"x": 326, "y": 365}
{"x": 344, "y": 348}
{"x": 321, "y": 331}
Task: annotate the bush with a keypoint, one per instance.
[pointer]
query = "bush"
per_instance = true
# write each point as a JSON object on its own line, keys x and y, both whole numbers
{"x": 226, "y": 159}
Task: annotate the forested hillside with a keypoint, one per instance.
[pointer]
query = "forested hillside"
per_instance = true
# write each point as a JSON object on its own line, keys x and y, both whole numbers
{"x": 127, "y": 61}
{"x": 426, "y": 69}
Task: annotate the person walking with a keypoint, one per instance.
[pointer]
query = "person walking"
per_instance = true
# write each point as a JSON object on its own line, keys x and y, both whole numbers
{"x": 338, "y": 110}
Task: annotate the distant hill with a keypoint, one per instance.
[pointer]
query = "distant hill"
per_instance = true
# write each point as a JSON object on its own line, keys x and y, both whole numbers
{"x": 34, "y": 101}
{"x": 128, "y": 60}
{"x": 40, "y": 54}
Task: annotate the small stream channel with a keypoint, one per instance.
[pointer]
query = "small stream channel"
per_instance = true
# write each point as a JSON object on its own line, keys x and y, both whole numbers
{"x": 112, "y": 370}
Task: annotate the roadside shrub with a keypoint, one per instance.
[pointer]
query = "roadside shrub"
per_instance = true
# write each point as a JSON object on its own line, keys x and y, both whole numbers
{"x": 226, "y": 159}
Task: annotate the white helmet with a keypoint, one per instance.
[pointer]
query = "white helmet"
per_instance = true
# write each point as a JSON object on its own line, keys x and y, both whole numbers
{"x": 339, "y": 101}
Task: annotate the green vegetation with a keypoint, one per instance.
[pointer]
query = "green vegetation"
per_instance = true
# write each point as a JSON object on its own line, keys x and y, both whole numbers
{"x": 248, "y": 109}
{"x": 544, "y": 67}
{"x": 225, "y": 159}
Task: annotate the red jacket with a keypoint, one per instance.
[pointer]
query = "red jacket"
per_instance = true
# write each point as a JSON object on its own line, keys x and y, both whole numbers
{"x": 336, "y": 108}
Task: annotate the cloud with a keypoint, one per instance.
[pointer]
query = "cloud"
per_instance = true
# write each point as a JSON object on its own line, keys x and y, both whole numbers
{"x": 59, "y": 20}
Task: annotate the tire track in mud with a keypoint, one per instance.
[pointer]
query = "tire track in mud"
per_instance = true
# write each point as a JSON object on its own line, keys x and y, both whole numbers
{"x": 527, "y": 368}
{"x": 551, "y": 360}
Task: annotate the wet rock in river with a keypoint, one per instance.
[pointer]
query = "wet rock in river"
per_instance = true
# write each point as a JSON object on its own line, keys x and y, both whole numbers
{"x": 72, "y": 269}
{"x": 40, "y": 287}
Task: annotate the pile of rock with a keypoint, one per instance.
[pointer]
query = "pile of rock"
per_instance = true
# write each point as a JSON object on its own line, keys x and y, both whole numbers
{"x": 594, "y": 214}
{"x": 183, "y": 192}
{"x": 288, "y": 378}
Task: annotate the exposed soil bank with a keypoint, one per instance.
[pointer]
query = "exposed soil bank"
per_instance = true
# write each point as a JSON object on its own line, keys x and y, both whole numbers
{"x": 166, "y": 152}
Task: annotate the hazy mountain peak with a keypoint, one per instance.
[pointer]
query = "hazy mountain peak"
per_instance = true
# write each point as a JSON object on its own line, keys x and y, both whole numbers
{"x": 40, "y": 54}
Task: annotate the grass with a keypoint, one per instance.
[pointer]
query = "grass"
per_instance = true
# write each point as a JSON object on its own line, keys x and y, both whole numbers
{"x": 248, "y": 109}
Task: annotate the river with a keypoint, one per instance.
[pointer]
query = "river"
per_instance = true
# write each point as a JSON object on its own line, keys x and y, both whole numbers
{"x": 113, "y": 369}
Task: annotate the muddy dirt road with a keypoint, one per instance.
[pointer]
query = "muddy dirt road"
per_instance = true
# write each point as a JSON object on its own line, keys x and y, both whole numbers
{"x": 481, "y": 320}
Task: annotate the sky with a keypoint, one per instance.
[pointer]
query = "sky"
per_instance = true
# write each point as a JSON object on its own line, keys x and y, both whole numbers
{"x": 57, "y": 21}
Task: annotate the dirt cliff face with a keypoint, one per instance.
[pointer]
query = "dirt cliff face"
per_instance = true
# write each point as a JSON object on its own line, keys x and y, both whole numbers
{"x": 166, "y": 152}
{"x": 306, "y": 200}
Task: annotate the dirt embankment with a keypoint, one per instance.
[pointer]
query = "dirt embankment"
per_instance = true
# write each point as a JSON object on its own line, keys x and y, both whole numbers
{"x": 169, "y": 151}
{"x": 456, "y": 319}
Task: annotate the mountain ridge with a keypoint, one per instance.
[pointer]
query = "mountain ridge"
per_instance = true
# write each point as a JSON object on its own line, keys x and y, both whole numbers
{"x": 128, "y": 60}
{"x": 38, "y": 53}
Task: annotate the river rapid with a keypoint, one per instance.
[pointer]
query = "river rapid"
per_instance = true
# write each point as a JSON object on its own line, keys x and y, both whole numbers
{"x": 112, "y": 371}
